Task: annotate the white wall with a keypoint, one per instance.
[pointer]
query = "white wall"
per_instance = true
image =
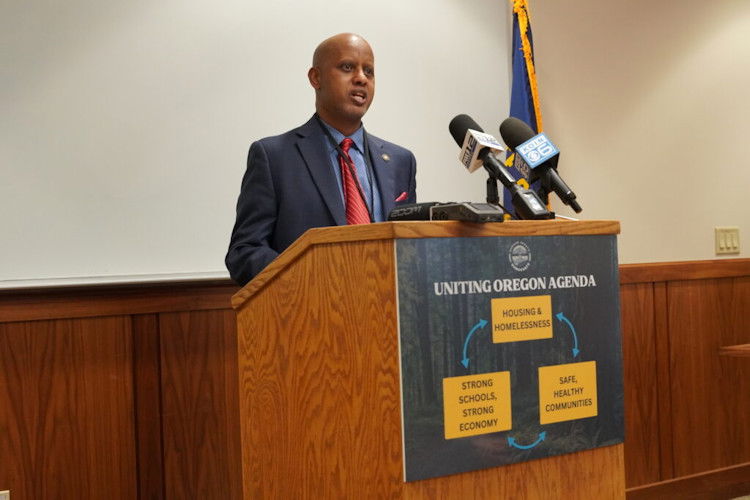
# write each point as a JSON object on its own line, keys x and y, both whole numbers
{"x": 649, "y": 104}
{"x": 125, "y": 125}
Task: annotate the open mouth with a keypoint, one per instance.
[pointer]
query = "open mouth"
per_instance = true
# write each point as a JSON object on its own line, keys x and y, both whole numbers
{"x": 359, "y": 97}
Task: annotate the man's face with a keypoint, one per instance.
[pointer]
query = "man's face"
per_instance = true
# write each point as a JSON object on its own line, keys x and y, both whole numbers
{"x": 344, "y": 80}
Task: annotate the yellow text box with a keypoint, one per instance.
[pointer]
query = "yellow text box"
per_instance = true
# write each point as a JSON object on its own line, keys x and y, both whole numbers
{"x": 567, "y": 392}
{"x": 476, "y": 404}
{"x": 521, "y": 318}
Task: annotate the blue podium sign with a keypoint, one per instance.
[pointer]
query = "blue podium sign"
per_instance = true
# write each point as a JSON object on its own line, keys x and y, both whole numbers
{"x": 510, "y": 350}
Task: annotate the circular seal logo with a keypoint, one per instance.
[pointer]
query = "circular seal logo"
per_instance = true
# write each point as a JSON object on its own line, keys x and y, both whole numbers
{"x": 519, "y": 256}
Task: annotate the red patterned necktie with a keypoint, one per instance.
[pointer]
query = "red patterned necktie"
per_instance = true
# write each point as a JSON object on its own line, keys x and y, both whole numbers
{"x": 356, "y": 210}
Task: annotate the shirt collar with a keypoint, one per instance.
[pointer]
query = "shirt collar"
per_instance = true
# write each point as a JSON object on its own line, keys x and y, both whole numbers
{"x": 358, "y": 136}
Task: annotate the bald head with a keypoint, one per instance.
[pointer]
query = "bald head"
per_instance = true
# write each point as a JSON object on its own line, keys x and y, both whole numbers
{"x": 343, "y": 76}
{"x": 334, "y": 43}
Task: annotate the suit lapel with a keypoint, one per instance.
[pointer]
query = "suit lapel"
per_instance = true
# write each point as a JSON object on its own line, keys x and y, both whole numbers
{"x": 383, "y": 172}
{"x": 312, "y": 146}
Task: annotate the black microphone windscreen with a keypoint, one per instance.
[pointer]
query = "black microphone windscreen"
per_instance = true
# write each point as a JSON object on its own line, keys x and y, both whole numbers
{"x": 515, "y": 132}
{"x": 459, "y": 125}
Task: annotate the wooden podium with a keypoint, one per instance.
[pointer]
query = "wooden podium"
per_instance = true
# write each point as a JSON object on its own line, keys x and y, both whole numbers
{"x": 320, "y": 397}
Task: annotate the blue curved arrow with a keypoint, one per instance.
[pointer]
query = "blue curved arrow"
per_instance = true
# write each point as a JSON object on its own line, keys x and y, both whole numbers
{"x": 562, "y": 317}
{"x": 512, "y": 442}
{"x": 482, "y": 323}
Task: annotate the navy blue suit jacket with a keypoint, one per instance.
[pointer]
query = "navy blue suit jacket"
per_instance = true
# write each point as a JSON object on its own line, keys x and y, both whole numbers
{"x": 289, "y": 186}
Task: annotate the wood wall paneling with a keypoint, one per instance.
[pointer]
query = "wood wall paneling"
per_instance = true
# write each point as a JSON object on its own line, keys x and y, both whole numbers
{"x": 148, "y": 407}
{"x": 663, "y": 380}
{"x": 66, "y": 419}
{"x": 710, "y": 393}
{"x": 132, "y": 391}
{"x": 642, "y": 446}
{"x": 200, "y": 416}
{"x": 82, "y": 399}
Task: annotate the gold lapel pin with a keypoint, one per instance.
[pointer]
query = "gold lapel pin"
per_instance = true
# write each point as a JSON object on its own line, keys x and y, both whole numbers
{"x": 385, "y": 157}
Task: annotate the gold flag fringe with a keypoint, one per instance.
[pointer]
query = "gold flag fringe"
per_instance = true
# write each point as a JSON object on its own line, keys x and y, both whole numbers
{"x": 520, "y": 8}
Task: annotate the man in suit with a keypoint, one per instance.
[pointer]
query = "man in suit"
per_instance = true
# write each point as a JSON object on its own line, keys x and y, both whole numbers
{"x": 327, "y": 172}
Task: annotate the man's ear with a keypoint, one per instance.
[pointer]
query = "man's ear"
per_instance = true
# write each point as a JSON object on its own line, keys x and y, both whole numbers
{"x": 314, "y": 76}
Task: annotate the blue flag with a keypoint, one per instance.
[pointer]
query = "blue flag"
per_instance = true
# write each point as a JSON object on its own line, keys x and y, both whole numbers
{"x": 524, "y": 97}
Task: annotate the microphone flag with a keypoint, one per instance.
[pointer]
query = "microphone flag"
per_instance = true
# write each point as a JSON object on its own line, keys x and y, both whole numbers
{"x": 474, "y": 142}
{"x": 524, "y": 95}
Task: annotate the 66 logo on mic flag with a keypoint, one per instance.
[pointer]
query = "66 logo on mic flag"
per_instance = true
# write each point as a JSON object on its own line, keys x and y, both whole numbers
{"x": 537, "y": 150}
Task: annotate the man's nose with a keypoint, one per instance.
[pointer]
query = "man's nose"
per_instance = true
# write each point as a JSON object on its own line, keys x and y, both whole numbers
{"x": 360, "y": 76}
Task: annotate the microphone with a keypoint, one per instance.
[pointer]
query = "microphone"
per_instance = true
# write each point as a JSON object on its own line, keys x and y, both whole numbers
{"x": 537, "y": 158}
{"x": 475, "y": 144}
